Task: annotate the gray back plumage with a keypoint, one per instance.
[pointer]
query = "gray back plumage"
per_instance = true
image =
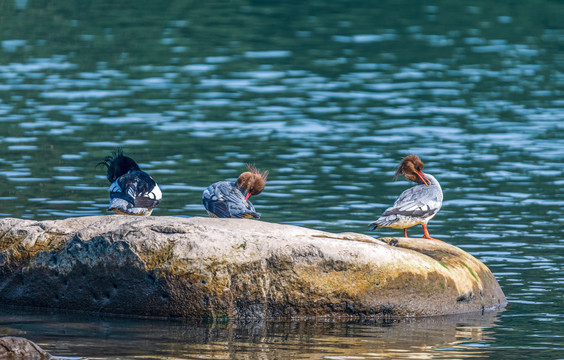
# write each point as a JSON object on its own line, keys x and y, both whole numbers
{"x": 226, "y": 200}
{"x": 420, "y": 201}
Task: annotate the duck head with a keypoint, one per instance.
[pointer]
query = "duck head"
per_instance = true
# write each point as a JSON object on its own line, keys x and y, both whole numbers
{"x": 411, "y": 168}
{"x": 252, "y": 181}
{"x": 118, "y": 165}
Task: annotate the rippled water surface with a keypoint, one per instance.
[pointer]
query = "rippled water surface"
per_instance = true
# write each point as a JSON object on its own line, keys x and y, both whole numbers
{"x": 327, "y": 95}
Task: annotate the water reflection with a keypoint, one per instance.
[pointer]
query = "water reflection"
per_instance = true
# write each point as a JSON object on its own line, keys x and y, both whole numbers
{"x": 94, "y": 337}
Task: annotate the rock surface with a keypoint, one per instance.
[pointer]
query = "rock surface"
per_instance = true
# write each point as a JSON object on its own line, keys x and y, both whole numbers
{"x": 231, "y": 268}
{"x": 12, "y": 347}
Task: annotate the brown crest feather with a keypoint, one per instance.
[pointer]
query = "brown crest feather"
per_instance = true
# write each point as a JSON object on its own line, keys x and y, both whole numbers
{"x": 409, "y": 167}
{"x": 263, "y": 174}
{"x": 253, "y": 180}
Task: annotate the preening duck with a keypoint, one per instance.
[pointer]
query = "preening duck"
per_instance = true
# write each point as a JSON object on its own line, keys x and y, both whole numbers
{"x": 132, "y": 191}
{"x": 416, "y": 205}
{"x": 225, "y": 199}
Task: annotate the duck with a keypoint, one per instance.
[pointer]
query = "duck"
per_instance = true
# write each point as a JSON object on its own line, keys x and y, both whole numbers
{"x": 225, "y": 199}
{"x": 132, "y": 191}
{"x": 416, "y": 205}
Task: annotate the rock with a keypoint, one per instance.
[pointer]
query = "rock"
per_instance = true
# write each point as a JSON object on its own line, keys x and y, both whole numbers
{"x": 12, "y": 347}
{"x": 231, "y": 268}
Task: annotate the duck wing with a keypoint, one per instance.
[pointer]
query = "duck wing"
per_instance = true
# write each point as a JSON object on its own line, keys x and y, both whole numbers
{"x": 418, "y": 201}
{"x": 243, "y": 210}
{"x": 138, "y": 189}
{"x": 225, "y": 200}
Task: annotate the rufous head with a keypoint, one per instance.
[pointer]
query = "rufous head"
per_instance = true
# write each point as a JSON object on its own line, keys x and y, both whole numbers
{"x": 411, "y": 168}
{"x": 252, "y": 181}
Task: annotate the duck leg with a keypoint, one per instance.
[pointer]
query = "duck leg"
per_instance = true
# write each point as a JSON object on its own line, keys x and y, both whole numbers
{"x": 426, "y": 233}
{"x": 405, "y": 232}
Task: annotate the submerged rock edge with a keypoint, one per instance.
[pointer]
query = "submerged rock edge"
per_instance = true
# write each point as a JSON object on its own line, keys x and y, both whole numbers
{"x": 227, "y": 268}
{"x": 12, "y": 347}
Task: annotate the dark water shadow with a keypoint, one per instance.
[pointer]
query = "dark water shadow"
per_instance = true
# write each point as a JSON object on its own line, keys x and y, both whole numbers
{"x": 95, "y": 336}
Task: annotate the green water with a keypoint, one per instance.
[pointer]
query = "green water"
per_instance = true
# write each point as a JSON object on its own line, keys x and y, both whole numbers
{"x": 328, "y": 96}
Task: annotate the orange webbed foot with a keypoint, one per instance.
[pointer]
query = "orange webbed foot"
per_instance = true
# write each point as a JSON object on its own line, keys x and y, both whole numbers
{"x": 426, "y": 234}
{"x": 430, "y": 238}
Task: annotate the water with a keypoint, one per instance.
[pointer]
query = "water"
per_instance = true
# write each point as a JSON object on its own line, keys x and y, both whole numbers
{"x": 98, "y": 337}
{"x": 326, "y": 95}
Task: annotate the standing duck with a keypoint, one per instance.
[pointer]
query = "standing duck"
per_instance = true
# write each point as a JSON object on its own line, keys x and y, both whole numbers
{"x": 132, "y": 191}
{"x": 416, "y": 205}
{"x": 225, "y": 199}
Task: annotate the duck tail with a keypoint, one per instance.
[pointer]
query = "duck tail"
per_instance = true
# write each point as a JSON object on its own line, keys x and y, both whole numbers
{"x": 373, "y": 226}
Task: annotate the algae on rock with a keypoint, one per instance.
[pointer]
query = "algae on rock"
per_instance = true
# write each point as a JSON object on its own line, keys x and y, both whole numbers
{"x": 231, "y": 268}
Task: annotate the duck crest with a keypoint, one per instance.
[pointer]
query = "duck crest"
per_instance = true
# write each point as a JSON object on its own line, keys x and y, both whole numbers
{"x": 409, "y": 167}
{"x": 118, "y": 165}
{"x": 252, "y": 181}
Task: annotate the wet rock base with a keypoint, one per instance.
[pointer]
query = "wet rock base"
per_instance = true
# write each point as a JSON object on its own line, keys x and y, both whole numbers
{"x": 231, "y": 268}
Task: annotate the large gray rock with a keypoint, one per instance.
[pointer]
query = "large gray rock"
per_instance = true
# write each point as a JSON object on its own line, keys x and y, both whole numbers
{"x": 13, "y": 348}
{"x": 201, "y": 267}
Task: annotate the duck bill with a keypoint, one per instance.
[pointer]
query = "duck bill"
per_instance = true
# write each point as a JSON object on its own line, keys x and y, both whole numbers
{"x": 248, "y": 196}
{"x": 423, "y": 178}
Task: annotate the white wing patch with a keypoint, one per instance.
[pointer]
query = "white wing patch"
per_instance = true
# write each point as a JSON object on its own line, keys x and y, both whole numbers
{"x": 131, "y": 190}
{"x": 156, "y": 193}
